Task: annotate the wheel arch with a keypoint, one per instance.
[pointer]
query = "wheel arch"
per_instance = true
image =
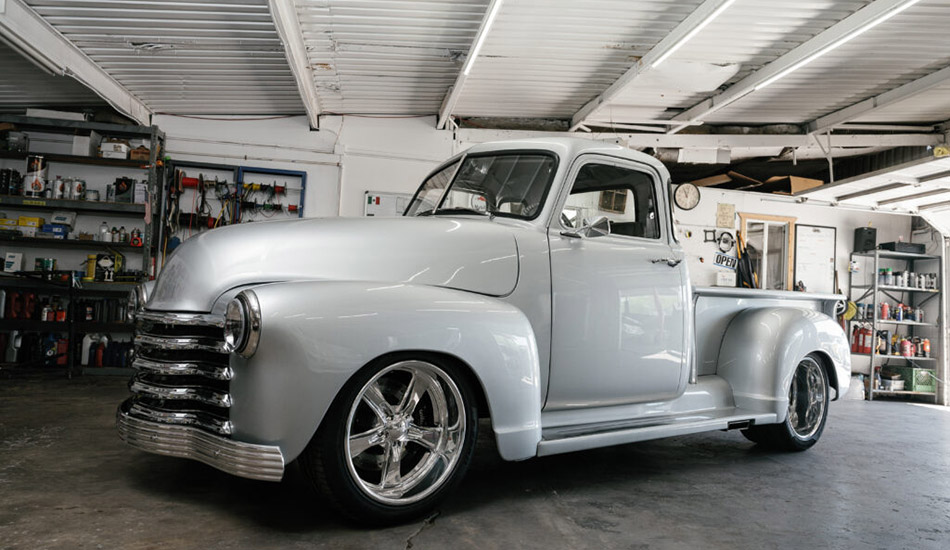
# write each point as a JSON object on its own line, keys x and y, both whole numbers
{"x": 317, "y": 335}
{"x": 828, "y": 364}
{"x": 762, "y": 347}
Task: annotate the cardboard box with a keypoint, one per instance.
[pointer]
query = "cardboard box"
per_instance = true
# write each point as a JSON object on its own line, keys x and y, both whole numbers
{"x": 54, "y": 228}
{"x": 789, "y": 185}
{"x": 140, "y": 193}
{"x": 712, "y": 181}
{"x": 86, "y": 146}
{"x": 27, "y": 231}
{"x": 139, "y": 153}
{"x": 114, "y": 155}
{"x": 9, "y": 222}
{"x": 63, "y": 218}
{"x": 13, "y": 262}
{"x": 729, "y": 180}
{"x": 29, "y": 221}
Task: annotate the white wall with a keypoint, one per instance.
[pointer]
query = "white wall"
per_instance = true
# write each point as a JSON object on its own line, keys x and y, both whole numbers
{"x": 345, "y": 158}
{"x": 281, "y": 143}
{"x": 388, "y": 155}
{"x": 890, "y": 227}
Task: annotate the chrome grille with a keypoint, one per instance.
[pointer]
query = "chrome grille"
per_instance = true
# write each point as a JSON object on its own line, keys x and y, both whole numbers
{"x": 182, "y": 373}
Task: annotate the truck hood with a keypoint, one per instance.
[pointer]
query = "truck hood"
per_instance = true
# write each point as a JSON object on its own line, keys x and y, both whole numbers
{"x": 465, "y": 254}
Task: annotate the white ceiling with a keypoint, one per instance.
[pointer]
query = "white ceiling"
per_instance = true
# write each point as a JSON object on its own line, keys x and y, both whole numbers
{"x": 541, "y": 58}
{"x": 183, "y": 56}
{"x": 23, "y": 85}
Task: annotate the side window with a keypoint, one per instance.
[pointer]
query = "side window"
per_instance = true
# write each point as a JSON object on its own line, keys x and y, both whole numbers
{"x": 429, "y": 193}
{"x": 626, "y": 197}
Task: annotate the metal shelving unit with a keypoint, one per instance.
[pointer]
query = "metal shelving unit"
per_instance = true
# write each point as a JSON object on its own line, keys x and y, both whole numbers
{"x": 71, "y": 327}
{"x": 151, "y": 170}
{"x": 915, "y": 297}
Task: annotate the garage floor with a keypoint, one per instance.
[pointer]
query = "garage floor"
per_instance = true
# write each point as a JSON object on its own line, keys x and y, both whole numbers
{"x": 879, "y": 481}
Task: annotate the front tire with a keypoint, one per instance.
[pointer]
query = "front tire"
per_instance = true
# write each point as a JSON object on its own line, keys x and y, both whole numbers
{"x": 396, "y": 441}
{"x": 808, "y": 397}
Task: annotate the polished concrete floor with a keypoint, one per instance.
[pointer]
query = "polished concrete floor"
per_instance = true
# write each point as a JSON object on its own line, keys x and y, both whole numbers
{"x": 879, "y": 478}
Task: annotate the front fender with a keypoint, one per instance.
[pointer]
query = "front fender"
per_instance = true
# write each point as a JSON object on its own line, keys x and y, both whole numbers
{"x": 315, "y": 335}
{"x": 763, "y": 346}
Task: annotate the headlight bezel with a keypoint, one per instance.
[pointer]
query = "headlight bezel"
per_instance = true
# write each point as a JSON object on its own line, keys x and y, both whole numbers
{"x": 138, "y": 296}
{"x": 242, "y": 324}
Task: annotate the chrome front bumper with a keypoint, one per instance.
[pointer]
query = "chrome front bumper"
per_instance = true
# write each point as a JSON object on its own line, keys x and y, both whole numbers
{"x": 248, "y": 460}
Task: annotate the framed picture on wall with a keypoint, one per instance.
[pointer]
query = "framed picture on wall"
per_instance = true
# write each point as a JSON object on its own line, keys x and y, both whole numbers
{"x": 614, "y": 200}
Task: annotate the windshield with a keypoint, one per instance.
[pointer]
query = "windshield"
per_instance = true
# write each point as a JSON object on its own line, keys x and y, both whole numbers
{"x": 504, "y": 184}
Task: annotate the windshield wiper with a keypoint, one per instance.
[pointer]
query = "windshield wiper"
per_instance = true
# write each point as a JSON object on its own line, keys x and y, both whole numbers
{"x": 460, "y": 211}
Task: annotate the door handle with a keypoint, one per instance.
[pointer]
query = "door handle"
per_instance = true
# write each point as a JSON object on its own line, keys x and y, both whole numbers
{"x": 672, "y": 262}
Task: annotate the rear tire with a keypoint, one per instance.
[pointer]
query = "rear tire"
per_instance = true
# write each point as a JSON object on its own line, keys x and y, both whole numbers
{"x": 808, "y": 396}
{"x": 396, "y": 441}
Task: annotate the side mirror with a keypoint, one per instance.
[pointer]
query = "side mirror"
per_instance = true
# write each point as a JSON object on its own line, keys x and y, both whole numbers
{"x": 598, "y": 227}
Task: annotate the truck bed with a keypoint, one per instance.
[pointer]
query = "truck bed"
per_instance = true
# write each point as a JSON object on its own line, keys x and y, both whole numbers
{"x": 715, "y": 307}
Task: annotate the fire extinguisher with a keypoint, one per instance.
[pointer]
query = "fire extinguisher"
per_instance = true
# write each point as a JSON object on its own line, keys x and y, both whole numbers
{"x": 854, "y": 340}
{"x": 868, "y": 340}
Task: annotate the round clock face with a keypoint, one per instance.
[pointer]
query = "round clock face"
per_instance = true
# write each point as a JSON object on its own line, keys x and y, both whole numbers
{"x": 686, "y": 196}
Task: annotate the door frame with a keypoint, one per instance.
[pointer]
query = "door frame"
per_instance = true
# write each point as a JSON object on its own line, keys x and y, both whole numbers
{"x": 663, "y": 221}
{"x": 745, "y": 217}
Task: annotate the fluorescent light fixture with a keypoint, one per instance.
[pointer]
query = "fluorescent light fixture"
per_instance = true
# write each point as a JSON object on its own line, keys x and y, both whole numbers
{"x": 843, "y": 40}
{"x": 480, "y": 41}
{"x": 688, "y": 36}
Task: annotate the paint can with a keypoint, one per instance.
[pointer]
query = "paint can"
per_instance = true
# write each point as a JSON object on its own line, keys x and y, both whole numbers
{"x": 78, "y": 191}
{"x": 36, "y": 173}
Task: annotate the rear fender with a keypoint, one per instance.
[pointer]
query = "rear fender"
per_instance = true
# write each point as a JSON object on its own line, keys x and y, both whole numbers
{"x": 315, "y": 335}
{"x": 763, "y": 346}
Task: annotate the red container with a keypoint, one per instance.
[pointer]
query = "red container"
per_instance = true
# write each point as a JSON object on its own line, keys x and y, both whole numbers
{"x": 907, "y": 348}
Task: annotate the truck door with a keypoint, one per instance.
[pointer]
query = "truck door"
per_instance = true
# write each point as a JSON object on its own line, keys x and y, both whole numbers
{"x": 620, "y": 294}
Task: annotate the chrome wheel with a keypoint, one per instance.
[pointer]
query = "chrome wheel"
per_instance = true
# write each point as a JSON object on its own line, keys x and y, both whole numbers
{"x": 405, "y": 432}
{"x": 807, "y": 399}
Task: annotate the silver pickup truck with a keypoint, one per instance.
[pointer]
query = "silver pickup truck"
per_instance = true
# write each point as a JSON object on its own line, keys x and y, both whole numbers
{"x": 537, "y": 284}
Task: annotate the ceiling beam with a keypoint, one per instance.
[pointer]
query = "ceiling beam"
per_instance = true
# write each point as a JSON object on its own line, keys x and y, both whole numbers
{"x": 943, "y": 205}
{"x": 872, "y": 191}
{"x": 30, "y": 35}
{"x": 679, "y": 141}
{"x": 694, "y": 22}
{"x": 825, "y": 41}
{"x": 284, "y": 14}
{"x": 915, "y": 196}
{"x": 890, "y": 97}
{"x": 455, "y": 92}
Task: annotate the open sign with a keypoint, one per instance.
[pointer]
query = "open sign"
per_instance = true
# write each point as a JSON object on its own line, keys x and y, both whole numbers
{"x": 729, "y": 262}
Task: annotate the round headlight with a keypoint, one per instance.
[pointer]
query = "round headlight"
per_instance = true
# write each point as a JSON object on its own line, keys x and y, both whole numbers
{"x": 137, "y": 298}
{"x": 234, "y": 332}
{"x": 131, "y": 306}
{"x": 242, "y": 324}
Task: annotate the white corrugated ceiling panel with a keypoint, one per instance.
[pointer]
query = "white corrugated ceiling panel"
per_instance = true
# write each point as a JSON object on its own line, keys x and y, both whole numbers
{"x": 24, "y": 85}
{"x": 910, "y": 45}
{"x": 931, "y": 177}
{"x": 387, "y": 56}
{"x": 932, "y": 106}
{"x": 749, "y": 35}
{"x": 547, "y": 58}
{"x": 184, "y": 56}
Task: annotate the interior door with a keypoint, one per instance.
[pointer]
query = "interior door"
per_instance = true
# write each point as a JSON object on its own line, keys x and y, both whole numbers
{"x": 620, "y": 299}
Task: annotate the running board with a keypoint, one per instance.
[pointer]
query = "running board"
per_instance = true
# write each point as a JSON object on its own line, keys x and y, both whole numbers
{"x": 566, "y": 439}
